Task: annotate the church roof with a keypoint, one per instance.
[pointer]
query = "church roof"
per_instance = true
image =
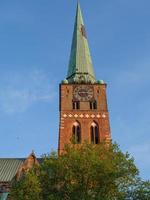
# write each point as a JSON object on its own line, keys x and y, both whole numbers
{"x": 9, "y": 168}
{"x": 80, "y": 65}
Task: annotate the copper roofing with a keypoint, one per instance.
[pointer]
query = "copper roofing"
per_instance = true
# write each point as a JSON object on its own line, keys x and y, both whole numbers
{"x": 9, "y": 168}
{"x": 4, "y": 196}
{"x": 80, "y": 64}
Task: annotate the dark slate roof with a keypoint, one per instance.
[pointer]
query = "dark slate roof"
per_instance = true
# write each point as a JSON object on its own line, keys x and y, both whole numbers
{"x": 9, "y": 168}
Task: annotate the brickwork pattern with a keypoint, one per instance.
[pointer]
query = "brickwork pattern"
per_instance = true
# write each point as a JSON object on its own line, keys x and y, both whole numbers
{"x": 84, "y": 115}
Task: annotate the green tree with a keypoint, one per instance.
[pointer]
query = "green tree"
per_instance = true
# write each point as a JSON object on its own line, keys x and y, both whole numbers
{"x": 27, "y": 188}
{"x": 88, "y": 172}
{"x": 85, "y": 172}
{"x": 139, "y": 191}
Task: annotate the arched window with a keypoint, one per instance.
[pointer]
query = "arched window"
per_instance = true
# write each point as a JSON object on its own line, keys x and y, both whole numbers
{"x": 93, "y": 105}
{"x": 76, "y": 131}
{"x": 76, "y": 105}
{"x": 94, "y": 133}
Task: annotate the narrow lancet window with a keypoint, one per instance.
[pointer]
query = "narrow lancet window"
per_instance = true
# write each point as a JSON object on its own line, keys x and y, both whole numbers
{"x": 76, "y": 131}
{"x": 93, "y": 105}
{"x": 76, "y": 105}
{"x": 94, "y": 133}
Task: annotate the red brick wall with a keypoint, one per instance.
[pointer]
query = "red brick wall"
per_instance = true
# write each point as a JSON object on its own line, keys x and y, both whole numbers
{"x": 84, "y": 116}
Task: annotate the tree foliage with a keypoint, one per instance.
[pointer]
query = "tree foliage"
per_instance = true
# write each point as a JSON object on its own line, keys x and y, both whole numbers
{"x": 27, "y": 188}
{"x": 139, "y": 191}
{"x": 86, "y": 172}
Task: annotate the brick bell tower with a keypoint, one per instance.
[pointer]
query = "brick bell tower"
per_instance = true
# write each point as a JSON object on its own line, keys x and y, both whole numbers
{"x": 83, "y": 104}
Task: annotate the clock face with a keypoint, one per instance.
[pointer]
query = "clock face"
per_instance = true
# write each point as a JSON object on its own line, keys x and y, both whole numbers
{"x": 83, "y": 93}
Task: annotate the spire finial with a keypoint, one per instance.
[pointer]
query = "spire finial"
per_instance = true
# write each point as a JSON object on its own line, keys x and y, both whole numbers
{"x": 33, "y": 153}
{"x": 78, "y": 2}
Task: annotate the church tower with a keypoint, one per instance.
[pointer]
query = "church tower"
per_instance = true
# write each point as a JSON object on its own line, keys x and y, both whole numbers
{"x": 83, "y": 104}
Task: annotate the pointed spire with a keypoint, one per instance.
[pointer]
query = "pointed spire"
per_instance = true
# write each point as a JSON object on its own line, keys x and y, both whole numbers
{"x": 80, "y": 64}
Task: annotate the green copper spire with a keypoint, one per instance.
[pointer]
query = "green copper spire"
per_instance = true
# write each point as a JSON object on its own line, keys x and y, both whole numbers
{"x": 80, "y": 64}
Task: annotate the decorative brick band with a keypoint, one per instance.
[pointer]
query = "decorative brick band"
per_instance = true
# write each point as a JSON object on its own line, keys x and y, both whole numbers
{"x": 84, "y": 115}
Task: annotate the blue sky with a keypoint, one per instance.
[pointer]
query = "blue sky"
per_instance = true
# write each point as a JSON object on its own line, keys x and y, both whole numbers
{"x": 35, "y": 41}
